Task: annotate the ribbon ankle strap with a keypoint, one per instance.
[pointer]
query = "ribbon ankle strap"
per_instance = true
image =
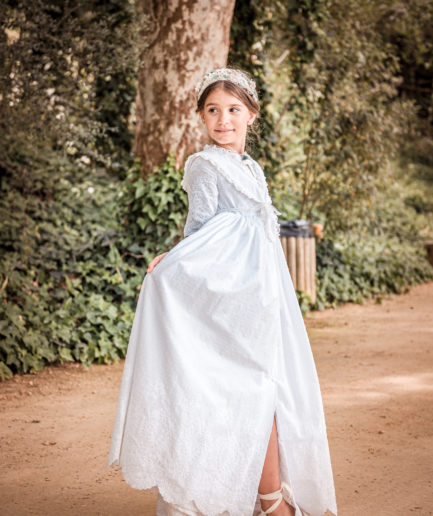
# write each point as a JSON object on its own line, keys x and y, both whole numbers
{"x": 274, "y": 506}
{"x": 276, "y": 495}
{"x": 271, "y": 496}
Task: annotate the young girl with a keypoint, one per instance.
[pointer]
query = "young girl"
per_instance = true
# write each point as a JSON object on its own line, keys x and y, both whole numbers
{"x": 219, "y": 409}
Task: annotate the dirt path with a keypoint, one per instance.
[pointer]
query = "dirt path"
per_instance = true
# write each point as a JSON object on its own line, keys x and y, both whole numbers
{"x": 375, "y": 365}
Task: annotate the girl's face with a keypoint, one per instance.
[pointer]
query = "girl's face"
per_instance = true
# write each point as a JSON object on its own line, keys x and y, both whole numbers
{"x": 226, "y": 119}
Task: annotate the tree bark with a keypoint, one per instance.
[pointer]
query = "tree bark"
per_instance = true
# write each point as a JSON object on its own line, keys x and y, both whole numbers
{"x": 184, "y": 40}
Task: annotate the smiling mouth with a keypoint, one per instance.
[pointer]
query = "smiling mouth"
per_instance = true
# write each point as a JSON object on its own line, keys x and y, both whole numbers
{"x": 223, "y": 130}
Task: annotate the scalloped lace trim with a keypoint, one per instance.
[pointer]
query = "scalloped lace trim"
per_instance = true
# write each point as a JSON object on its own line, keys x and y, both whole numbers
{"x": 223, "y": 150}
{"x": 165, "y": 490}
{"x": 232, "y": 153}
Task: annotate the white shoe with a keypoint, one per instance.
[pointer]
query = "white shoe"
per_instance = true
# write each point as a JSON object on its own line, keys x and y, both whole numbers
{"x": 284, "y": 493}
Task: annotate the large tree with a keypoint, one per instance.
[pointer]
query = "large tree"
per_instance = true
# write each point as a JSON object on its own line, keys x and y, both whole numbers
{"x": 183, "y": 40}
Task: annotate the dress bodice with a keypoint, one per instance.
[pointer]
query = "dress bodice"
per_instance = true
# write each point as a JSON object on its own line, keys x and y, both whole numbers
{"x": 218, "y": 179}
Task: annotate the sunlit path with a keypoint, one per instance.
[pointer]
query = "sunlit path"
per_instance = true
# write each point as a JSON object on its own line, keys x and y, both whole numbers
{"x": 375, "y": 368}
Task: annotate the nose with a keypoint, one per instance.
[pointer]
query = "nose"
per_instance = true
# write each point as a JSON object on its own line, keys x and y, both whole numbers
{"x": 222, "y": 118}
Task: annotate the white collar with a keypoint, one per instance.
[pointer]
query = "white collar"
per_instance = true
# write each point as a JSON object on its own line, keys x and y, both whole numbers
{"x": 218, "y": 148}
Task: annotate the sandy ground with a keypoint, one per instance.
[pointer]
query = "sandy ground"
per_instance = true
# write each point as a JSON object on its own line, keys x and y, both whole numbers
{"x": 375, "y": 369}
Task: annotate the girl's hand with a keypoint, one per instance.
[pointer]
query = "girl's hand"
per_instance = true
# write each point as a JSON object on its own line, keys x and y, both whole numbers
{"x": 155, "y": 261}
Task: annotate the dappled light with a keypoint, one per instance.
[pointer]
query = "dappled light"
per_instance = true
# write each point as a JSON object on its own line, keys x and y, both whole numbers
{"x": 383, "y": 388}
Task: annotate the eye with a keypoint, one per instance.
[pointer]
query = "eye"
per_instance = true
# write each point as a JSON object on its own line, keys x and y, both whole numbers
{"x": 211, "y": 110}
{"x": 236, "y": 109}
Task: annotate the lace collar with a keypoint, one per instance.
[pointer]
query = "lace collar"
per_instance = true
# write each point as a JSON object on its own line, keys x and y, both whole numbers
{"x": 242, "y": 159}
{"x": 254, "y": 177}
{"x": 258, "y": 193}
{"x": 238, "y": 155}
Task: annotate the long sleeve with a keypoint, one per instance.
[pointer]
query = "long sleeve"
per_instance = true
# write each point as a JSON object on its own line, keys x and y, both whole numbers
{"x": 200, "y": 183}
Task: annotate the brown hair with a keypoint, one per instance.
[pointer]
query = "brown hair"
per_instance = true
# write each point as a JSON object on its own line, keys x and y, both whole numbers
{"x": 243, "y": 96}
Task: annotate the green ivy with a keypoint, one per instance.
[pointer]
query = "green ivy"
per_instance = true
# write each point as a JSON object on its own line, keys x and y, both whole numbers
{"x": 74, "y": 253}
{"x": 352, "y": 269}
{"x": 153, "y": 209}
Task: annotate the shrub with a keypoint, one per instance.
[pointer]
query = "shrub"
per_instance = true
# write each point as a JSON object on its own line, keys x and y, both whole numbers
{"x": 353, "y": 269}
{"x": 74, "y": 248}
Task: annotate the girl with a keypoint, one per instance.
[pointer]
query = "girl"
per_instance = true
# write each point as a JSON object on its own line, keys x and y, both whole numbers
{"x": 219, "y": 409}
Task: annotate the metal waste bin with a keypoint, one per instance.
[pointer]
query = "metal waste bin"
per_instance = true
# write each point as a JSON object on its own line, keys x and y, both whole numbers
{"x": 299, "y": 246}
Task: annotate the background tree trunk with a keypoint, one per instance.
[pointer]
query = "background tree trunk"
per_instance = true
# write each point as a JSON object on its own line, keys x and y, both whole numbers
{"x": 184, "y": 39}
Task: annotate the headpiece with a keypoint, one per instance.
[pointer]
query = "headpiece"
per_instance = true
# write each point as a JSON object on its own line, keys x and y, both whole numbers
{"x": 227, "y": 74}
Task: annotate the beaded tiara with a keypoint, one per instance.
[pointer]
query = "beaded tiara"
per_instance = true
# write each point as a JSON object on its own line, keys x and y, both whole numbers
{"x": 227, "y": 74}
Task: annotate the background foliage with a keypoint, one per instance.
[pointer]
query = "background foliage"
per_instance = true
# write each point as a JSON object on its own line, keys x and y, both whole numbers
{"x": 74, "y": 253}
{"x": 348, "y": 90}
{"x": 67, "y": 78}
{"x": 346, "y": 140}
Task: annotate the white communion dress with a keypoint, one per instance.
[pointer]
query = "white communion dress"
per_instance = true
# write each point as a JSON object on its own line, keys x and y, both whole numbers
{"x": 218, "y": 346}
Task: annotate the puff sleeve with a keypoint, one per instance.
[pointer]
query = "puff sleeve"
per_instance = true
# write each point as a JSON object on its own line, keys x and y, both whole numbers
{"x": 200, "y": 183}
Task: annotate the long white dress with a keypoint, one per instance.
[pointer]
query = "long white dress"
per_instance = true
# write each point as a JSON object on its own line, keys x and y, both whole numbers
{"x": 218, "y": 346}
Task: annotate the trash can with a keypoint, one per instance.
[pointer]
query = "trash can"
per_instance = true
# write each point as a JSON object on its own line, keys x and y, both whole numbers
{"x": 429, "y": 249}
{"x": 299, "y": 246}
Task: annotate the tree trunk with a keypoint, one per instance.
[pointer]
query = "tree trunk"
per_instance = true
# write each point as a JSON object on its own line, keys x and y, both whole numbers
{"x": 184, "y": 40}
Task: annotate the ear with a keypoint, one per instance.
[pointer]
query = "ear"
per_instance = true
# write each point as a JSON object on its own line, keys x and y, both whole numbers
{"x": 252, "y": 118}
